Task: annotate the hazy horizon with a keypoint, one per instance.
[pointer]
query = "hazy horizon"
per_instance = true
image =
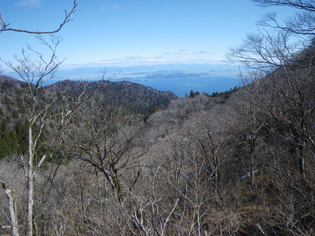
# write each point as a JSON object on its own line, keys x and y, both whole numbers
{"x": 178, "y": 78}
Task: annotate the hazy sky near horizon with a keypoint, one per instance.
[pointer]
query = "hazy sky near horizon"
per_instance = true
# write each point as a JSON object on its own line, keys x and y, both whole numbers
{"x": 135, "y": 32}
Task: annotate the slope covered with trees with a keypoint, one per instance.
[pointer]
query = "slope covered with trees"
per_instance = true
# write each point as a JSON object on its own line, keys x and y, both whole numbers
{"x": 136, "y": 97}
{"x": 235, "y": 163}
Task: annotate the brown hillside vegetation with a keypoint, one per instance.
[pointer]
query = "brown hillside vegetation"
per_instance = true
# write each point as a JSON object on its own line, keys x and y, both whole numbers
{"x": 86, "y": 159}
{"x": 215, "y": 166}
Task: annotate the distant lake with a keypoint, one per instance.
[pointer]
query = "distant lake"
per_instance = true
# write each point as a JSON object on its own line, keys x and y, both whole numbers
{"x": 182, "y": 86}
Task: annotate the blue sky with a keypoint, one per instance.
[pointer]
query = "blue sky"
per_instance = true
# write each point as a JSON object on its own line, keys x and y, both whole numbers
{"x": 135, "y": 32}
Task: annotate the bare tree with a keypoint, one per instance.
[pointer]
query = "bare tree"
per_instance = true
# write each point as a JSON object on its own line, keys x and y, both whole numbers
{"x": 109, "y": 140}
{"x": 151, "y": 209}
{"x": 302, "y": 23}
{"x": 68, "y": 17}
{"x": 280, "y": 90}
{"x": 39, "y": 75}
{"x": 35, "y": 69}
{"x": 280, "y": 72}
{"x": 280, "y": 83}
{"x": 28, "y": 71}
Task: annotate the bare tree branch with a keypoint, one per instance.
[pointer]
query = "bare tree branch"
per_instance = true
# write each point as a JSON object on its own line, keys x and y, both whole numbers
{"x": 67, "y": 19}
{"x": 301, "y": 24}
{"x": 308, "y": 5}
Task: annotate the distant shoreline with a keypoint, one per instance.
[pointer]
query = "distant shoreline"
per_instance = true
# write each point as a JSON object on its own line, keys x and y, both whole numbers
{"x": 182, "y": 86}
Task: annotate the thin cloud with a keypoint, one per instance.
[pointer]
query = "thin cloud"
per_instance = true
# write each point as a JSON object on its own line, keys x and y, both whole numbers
{"x": 218, "y": 59}
{"x": 117, "y": 6}
{"x": 186, "y": 52}
{"x": 31, "y": 3}
{"x": 131, "y": 58}
{"x": 106, "y": 8}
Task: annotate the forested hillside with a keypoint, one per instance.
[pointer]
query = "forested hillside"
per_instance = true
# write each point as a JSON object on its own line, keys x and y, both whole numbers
{"x": 234, "y": 165}
{"x": 136, "y": 97}
{"x": 106, "y": 158}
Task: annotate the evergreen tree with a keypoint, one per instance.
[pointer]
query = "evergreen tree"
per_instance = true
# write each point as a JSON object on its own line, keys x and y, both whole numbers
{"x": 4, "y": 149}
{"x": 7, "y": 138}
{"x": 15, "y": 114}
{"x": 192, "y": 94}
{"x": 4, "y": 125}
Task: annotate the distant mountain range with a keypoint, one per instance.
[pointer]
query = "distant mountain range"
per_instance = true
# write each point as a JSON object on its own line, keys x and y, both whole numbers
{"x": 94, "y": 73}
{"x": 168, "y": 76}
{"x": 190, "y": 76}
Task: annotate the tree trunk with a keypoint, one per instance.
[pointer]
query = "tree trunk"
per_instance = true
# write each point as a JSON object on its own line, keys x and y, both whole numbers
{"x": 302, "y": 159}
{"x": 30, "y": 182}
{"x": 12, "y": 210}
{"x": 252, "y": 156}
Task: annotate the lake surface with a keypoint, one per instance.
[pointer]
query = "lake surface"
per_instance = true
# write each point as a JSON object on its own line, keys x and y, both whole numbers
{"x": 182, "y": 86}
